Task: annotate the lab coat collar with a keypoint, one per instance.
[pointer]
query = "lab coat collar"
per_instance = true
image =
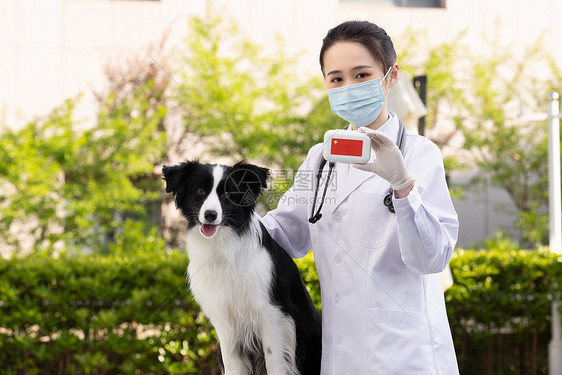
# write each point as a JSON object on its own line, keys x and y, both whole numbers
{"x": 350, "y": 178}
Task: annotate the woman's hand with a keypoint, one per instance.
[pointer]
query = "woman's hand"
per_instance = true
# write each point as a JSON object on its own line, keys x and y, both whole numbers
{"x": 388, "y": 163}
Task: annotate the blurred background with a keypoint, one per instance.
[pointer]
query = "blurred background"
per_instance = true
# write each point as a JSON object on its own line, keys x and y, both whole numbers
{"x": 97, "y": 95}
{"x": 487, "y": 63}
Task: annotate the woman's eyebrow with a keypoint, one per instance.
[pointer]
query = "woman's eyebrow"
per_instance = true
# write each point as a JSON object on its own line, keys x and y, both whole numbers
{"x": 362, "y": 67}
{"x": 334, "y": 72}
{"x": 359, "y": 67}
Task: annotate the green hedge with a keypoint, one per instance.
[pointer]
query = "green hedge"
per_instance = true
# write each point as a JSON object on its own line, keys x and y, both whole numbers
{"x": 101, "y": 315}
{"x": 500, "y": 309}
{"x": 133, "y": 314}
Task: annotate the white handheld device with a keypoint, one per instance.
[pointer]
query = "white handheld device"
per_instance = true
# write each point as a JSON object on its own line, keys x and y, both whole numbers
{"x": 346, "y": 146}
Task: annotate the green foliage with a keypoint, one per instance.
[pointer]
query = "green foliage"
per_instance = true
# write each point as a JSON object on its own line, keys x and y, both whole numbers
{"x": 119, "y": 314}
{"x": 310, "y": 276}
{"x": 129, "y": 314}
{"x": 502, "y": 242}
{"x": 512, "y": 155}
{"x": 483, "y": 96}
{"x": 500, "y": 305}
{"x": 509, "y": 152}
{"x": 249, "y": 106}
{"x": 444, "y": 96}
{"x": 439, "y": 65}
{"x": 533, "y": 225}
{"x": 495, "y": 289}
{"x": 63, "y": 181}
{"x": 137, "y": 237}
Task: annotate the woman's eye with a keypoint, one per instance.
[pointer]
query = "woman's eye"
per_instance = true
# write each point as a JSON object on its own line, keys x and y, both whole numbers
{"x": 362, "y": 75}
{"x": 200, "y": 192}
{"x": 336, "y": 80}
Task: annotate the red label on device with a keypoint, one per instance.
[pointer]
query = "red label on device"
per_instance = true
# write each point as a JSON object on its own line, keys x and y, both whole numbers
{"x": 349, "y": 147}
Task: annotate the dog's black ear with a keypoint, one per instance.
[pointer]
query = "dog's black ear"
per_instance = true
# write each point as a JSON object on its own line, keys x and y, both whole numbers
{"x": 172, "y": 176}
{"x": 254, "y": 178}
{"x": 175, "y": 176}
{"x": 262, "y": 173}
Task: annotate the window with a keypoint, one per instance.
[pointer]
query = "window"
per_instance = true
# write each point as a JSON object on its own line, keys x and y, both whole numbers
{"x": 405, "y": 3}
{"x": 420, "y": 3}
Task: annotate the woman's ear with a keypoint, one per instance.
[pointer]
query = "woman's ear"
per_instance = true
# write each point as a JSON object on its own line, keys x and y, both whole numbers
{"x": 393, "y": 75}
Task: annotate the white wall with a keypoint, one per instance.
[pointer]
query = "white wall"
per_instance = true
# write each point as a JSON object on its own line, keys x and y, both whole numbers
{"x": 517, "y": 23}
{"x": 53, "y": 49}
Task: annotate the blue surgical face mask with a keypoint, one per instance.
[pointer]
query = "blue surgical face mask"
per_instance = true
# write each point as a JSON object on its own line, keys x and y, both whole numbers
{"x": 359, "y": 104}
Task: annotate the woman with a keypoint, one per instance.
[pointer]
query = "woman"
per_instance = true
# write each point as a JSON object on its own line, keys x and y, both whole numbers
{"x": 383, "y": 310}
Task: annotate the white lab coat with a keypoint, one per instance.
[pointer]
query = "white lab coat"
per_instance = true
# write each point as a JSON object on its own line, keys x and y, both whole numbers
{"x": 383, "y": 310}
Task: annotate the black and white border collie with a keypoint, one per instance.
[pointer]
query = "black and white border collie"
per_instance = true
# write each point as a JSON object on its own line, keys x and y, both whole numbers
{"x": 246, "y": 284}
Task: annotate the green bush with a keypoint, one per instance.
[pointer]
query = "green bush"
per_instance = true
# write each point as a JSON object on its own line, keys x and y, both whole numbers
{"x": 133, "y": 314}
{"x": 499, "y": 309}
{"x": 125, "y": 314}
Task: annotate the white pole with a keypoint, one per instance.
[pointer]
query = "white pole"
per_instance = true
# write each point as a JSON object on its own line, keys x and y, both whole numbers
{"x": 555, "y": 345}
{"x": 554, "y": 201}
{"x": 554, "y": 213}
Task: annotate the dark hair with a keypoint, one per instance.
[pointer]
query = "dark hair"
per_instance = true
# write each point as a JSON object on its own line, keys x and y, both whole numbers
{"x": 374, "y": 38}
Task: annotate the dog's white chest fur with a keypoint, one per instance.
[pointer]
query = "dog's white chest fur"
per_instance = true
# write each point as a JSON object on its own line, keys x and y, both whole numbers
{"x": 230, "y": 277}
{"x": 229, "y": 272}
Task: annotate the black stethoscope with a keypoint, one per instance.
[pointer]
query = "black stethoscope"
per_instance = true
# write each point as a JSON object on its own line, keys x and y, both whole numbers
{"x": 387, "y": 201}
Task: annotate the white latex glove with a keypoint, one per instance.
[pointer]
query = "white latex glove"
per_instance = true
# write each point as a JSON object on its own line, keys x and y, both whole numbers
{"x": 389, "y": 163}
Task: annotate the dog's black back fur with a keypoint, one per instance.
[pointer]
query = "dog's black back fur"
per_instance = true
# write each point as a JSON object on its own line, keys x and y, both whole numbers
{"x": 290, "y": 293}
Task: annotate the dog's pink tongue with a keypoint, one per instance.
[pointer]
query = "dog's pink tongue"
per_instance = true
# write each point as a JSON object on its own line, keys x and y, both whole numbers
{"x": 208, "y": 229}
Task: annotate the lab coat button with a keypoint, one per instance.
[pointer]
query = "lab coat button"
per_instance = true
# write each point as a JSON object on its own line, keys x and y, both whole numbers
{"x": 337, "y": 299}
{"x": 337, "y": 218}
{"x": 337, "y": 340}
{"x": 338, "y": 259}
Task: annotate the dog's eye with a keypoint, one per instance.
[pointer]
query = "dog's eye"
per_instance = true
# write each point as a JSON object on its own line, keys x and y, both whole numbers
{"x": 200, "y": 192}
{"x": 226, "y": 194}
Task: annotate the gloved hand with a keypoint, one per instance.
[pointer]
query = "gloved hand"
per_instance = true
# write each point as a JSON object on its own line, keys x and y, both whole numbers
{"x": 389, "y": 163}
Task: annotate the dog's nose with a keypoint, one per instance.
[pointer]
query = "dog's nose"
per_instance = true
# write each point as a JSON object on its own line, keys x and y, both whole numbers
{"x": 210, "y": 216}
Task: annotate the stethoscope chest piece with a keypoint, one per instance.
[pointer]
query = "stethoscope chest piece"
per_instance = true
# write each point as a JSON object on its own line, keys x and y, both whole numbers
{"x": 388, "y": 200}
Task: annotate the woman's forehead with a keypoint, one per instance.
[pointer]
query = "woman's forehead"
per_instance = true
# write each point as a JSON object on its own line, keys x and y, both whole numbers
{"x": 343, "y": 56}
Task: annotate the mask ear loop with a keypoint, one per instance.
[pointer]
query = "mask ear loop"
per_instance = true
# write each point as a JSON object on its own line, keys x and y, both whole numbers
{"x": 388, "y": 71}
{"x": 382, "y": 80}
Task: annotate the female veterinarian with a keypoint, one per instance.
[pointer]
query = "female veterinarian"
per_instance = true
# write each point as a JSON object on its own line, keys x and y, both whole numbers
{"x": 378, "y": 260}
